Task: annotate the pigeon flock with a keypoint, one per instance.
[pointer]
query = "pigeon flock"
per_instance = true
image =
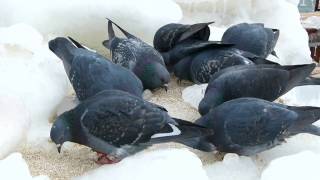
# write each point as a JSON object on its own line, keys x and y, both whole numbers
{"x": 238, "y": 115}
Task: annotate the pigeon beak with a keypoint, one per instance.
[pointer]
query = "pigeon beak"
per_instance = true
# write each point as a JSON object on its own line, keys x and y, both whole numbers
{"x": 59, "y": 147}
{"x": 165, "y": 86}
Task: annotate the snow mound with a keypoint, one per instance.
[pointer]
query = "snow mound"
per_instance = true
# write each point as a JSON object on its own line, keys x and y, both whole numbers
{"x": 30, "y": 72}
{"x": 302, "y": 96}
{"x": 194, "y": 94}
{"x": 14, "y": 124}
{"x": 304, "y": 165}
{"x": 233, "y": 167}
{"x": 85, "y": 20}
{"x": 15, "y": 167}
{"x": 293, "y": 145}
{"x": 292, "y": 46}
{"x": 155, "y": 165}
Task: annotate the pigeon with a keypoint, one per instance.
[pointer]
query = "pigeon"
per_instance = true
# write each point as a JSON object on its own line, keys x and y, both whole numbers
{"x": 136, "y": 55}
{"x": 208, "y": 58}
{"x": 247, "y": 126}
{"x": 90, "y": 72}
{"x": 182, "y": 69}
{"x": 188, "y": 49}
{"x": 117, "y": 124}
{"x": 206, "y": 63}
{"x": 267, "y": 82}
{"x": 254, "y": 38}
{"x": 169, "y": 35}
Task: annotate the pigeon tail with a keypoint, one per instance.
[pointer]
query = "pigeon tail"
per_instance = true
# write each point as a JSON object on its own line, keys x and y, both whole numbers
{"x": 180, "y": 132}
{"x": 298, "y": 73}
{"x": 310, "y": 81}
{"x": 110, "y": 30}
{"x": 306, "y": 116}
{"x": 201, "y": 30}
{"x": 312, "y": 129}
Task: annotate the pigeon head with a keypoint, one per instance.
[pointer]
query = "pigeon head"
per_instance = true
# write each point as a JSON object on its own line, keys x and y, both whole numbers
{"x": 154, "y": 75}
{"x": 63, "y": 48}
{"x": 211, "y": 99}
{"x": 60, "y": 131}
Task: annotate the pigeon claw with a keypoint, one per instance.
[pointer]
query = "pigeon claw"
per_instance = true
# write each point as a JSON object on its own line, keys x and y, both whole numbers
{"x": 106, "y": 159}
{"x": 165, "y": 86}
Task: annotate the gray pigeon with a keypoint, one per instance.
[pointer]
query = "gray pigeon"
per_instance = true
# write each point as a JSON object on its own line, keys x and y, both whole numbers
{"x": 267, "y": 82}
{"x": 254, "y": 38}
{"x": 247, "y": 126}
{"x": 118, "y": 124}
{"x": 136, "y": 55}
{"x": 90, "y": 73}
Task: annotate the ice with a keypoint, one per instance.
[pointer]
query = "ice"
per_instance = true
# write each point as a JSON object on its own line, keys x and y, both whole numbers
{"x": 15, "y": 167}
{"x": 85, "y": 20}
{"x": 304, "y": 165}
{"x": 233, "y": 167}
{"x": 30, "y": 72}
{"x": 292, "y": 46}
{"x": 14, "y": 124}
{"x": 155, "y": 165}
{"x": 194, "y": 94}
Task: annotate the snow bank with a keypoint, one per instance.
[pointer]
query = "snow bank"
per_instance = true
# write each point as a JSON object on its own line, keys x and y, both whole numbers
{"x": 85, "y": 20}
{"x": 233, "y": 167}
{"x": 302, "y": 96}
{"x": 293, "y": 145}
{"x": 29, "y": 71}
{"x": 194, "y": 94}
{"x": 155, "y": 165}
{"x": 14, "y": 124}
{"x": 304, "y": 165}
{"x": 15, "y": 167}
{"x": 292, "y": 46}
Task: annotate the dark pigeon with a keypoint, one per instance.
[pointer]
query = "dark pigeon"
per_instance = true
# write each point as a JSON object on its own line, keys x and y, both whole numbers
{"x": 118, "y": 124}
{"x": 247, "y": 126}
{"x": 182, "y": 69}
{"x": 168, "y": 36}
{"x": 254, "y": 38}
{"x": 90, "y": 73}
{"x": 267, "y": 82}
{"x": 139, "y": 57}
{"x": 208, "y": 58}
{"x": 206, "y": 63}
{"x": 189, "y": 49}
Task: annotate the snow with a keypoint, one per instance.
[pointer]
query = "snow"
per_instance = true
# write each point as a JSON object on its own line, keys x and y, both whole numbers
{"x": 33, "y": 82}
{"x": 14, "y": 124}
{"x": 15, "y": 167}
{"x": 303, "y": 96}
{"x": 292, "y": 46}
{"x": 30, "y": 72}
{"x": 233, "y": 167}
{"x": 155, "y": 165}
{"x": 303, "y": 165}
{"x": 85, "y": 20}
{"x": 194, "y": 94}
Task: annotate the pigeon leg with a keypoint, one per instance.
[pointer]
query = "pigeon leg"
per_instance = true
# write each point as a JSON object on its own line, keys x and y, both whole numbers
{"x": 179, "y": 81}
{"x": 106, "y": 159}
